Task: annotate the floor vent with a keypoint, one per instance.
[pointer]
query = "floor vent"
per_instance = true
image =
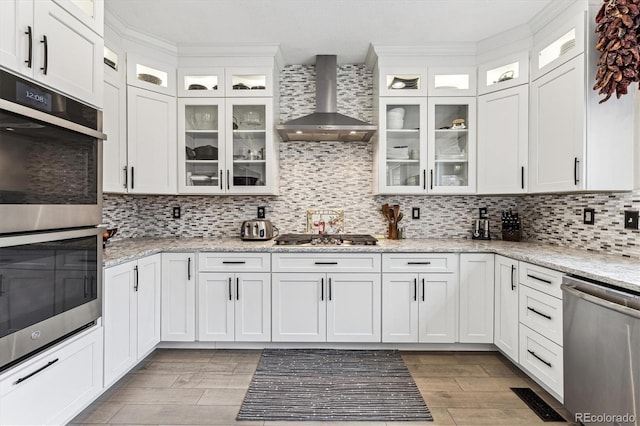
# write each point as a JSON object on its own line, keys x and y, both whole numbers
{"x": 541, "y": 408}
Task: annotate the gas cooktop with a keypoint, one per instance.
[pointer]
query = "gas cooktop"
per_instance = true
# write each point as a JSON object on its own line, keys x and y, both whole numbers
{"x": 325, "y": 239}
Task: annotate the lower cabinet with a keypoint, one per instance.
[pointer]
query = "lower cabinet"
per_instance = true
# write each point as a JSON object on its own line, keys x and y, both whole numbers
{"x": 421, "y": 306}
{"x": 476, "y": 297}
{"x": 131, "y": 314}
{"x": 178, "y": 322}
{"x": 506, "y": 307}
{"x": 234, "y": 307}
{"x": 54, "y": 386}
{"x": 318, "y": 307}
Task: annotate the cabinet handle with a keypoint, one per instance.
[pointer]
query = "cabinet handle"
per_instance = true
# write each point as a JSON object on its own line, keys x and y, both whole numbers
{"x": 321, "y": 288}
{"x": 423, "y": 290}
{"x": 418, "y": 263}
{"x": 28, "y": 376}
{"x": 539, "y": 313}
{"x": 513, "y": 269}
{"x": 84, "y": 283}
{"x": 46, "y": 55}
{"x": 230, "y": 290}
{"x": 29, "y": 61}
{"x": 228, "y": 184}
{"x": 415, "y": 289}
{"x": 424, "y": 179}
{"x": 1, "y": 279}
{"x": 237, "y": 288}
{"x": 431, "y": 179}
{"x": 189, "y": 269}
{"x": 539, "y": 279}
{"x": 135, "y": 278}
{"x": 522, "y": 177}
{"x": 326, "y": 263}
{"x": 575, "y": 171}
{"x": 126, "y": 177}
{"x": 221, "y": 180}
{"x": 234, "y": 262}
{"x": 329, "y": 289}
{"x": 547, "y": 363}
{"x": 132, "y": 181}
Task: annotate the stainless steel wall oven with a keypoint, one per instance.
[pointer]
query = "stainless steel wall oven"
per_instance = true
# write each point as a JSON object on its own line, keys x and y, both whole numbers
{"x": 50, "y": 159}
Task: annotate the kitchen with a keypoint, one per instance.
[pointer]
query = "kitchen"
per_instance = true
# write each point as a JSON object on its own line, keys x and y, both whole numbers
{"x": 339, "y": 176}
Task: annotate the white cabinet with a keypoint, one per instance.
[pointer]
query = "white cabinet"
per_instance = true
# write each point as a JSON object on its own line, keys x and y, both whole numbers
{"x": 178, "y": 321}
{"x": 53, "y": 387}
{"x": 114, "y": 125}
{"x": 503, "y": 73}
{"x": 506, "y": 307}
{"x": 131, "y": 314}
{"x": 234, "y": 297}
{"x": 42, "y": 41}
{"x": 201, "y": 82}
{"x": 151, "y": 74}
{"x": 503, "y": 135}
{"x": 319, "y": 297}
{"x": 452, "y": 81}
{"x": 401, "y": 81}
{"x": 151, "y": 132}
{"x": 420, "y": 306}
{"x": 476, "y": 297}
{"x": 249, "y": 82}
{"x": 452, "y": 145}
{"x": 89, "y": 12}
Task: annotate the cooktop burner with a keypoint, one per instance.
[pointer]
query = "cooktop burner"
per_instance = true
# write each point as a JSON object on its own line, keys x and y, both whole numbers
{"x": 326, "y": 239}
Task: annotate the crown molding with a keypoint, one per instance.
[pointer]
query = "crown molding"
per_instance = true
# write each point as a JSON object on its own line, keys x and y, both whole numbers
{"x": 552, "y": 11}
{"x": 209, "y": 50}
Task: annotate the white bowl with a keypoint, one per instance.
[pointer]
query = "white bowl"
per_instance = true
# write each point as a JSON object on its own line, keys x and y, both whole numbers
{"x": 399, "y": 111}
{"x": 395, "y": 124}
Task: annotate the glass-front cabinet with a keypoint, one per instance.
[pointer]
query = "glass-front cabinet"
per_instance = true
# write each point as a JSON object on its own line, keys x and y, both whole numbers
{"x": 402, "y": 145}
{"x": 201, "y": 82}
{"x": 225, "y": 146}
{"x": 452, "y": 145}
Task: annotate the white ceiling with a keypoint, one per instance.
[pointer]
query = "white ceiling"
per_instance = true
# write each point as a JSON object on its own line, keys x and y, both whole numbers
{"x": 304, "y": 28}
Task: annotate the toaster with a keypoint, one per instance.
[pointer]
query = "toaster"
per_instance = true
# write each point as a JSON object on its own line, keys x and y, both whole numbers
{"x": 257, "y": 229}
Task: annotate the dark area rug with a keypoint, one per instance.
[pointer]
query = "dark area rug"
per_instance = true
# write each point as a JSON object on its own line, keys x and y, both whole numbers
{"x": 332, "y": 385}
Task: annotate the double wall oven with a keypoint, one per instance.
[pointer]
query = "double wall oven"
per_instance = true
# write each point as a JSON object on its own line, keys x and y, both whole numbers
{"x": 50, "y": 206}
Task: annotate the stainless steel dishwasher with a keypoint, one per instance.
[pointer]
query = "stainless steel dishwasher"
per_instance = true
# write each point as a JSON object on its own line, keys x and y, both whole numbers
{"x": 601, "y": 353}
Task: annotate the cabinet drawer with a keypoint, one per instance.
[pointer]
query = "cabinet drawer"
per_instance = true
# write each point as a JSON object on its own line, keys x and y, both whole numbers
{"x": 419, "y": 262}
{"x": 233, "y": 262}
{"x": 542, "y": 313}
{"x": 542, "y": 359}
{"x": 326, "y": 262}
{"x": 53, "y": 387}
{"x": 543, "y": 279}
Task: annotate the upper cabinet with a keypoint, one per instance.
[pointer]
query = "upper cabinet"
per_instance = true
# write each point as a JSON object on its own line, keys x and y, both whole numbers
{"x": 201, "y": 82}
{"x": 151, "y": 74}
{"x": 452, "y": 81}
{"x": 44, "y": 42}
{"x": 89, "y": 12}
{"x": 401, "y": 82}
{"x": 249, "y": 82}
{"x": 503, "y": 73}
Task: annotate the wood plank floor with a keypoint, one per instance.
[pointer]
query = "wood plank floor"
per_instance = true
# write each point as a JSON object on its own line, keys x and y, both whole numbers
{"x": 206, "y": 387}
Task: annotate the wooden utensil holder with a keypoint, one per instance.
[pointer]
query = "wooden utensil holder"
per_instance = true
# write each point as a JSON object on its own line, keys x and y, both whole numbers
{"x": 393, "y": 231}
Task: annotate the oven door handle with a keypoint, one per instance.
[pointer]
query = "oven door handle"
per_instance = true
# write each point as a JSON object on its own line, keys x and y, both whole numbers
{"x": 49, "y": 119}
{"x": 1, "y": 280}
{"x": 571, "y": 290}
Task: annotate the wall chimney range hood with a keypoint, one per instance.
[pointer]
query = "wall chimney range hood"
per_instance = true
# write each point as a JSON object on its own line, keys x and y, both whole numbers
{"x": 325, "y": 124}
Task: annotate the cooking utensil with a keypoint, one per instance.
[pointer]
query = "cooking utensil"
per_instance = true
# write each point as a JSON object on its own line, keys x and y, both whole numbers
{"x": 110, "y": 232}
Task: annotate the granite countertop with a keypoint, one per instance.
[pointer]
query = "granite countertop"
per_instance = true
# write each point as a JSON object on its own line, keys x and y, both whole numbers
{"x": 616, "y": 270}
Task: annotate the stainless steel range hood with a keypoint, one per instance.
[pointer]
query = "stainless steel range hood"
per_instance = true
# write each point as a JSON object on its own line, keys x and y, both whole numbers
{"x": 326, "y": 124}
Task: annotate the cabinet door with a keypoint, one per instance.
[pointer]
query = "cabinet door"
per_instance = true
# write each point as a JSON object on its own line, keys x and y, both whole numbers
{"x": 119, "y": 320}
{"x": 216, "y": 302}
{"x": 89, "y": 12}
{"x": 506, "y": 306}
{"x": 151, "y": 131}
{"x": 401, "y": 150}
{"x": 201, "y": 146}
{"x": 503, "y": 132}
{"x": 353, "y": 307}
{"x": 178, "y": 297}
{"x": 476, "y": 298}
{"x": 299, "y": 307}
{"x": 148, "y": 289}
{"x": 452, "y": 145}
{"x": 250, "y": 154}
{"x": 253, "y": 307}
{"x": 71, "y": 58}
{"x": 438, "y": 308}
{"x": 114, "y": 124}
{"x": 400, "y": 307}
{"x": 17, "y": 22}
{"x": 557, "y": 133}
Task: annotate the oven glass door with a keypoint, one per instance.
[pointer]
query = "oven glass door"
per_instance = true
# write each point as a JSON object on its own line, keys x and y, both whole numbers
{"x": 41, "y": 280}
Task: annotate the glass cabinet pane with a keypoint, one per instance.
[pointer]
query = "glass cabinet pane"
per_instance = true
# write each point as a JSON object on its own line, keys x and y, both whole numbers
{"x": 451, "y": 145}
{"x": 557, "y": 48}
{"x": 249, "y": 145}
{"x": 206, "y": 83}
{"x": 152, "y": 75}
{"x": 403, "y": 82}
{"x": 451, "y": 81}
{"x": 503, "y": 73}
{"x": 202, "y": 143}
{"x": 249, "y": 82}
{"x": 111, "y": 58}
{"x": 86, "y": 6}
{"x": 403, "y": 145}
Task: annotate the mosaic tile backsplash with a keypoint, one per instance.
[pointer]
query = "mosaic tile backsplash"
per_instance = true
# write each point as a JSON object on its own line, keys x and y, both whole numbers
{"x": 338, "y": 175}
